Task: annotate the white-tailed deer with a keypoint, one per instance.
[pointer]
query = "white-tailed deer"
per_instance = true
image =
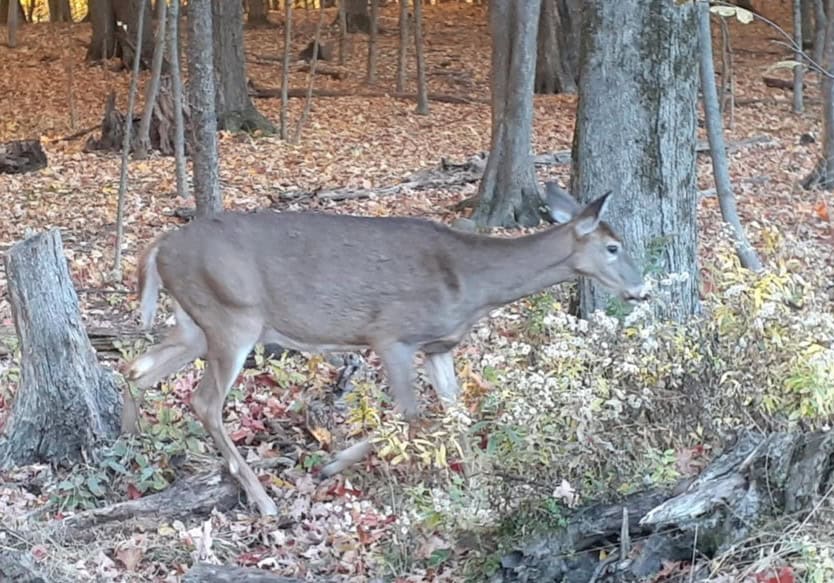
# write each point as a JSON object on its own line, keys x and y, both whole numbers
{"x": 319, "y": 282}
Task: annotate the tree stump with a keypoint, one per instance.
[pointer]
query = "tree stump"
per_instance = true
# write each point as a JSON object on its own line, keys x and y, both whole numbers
{"x": 66, "y": 404}
{"x": 21, "y": 156}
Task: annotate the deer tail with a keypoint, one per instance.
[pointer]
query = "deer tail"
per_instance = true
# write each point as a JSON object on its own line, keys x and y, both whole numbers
{"x": 149, "y": 284}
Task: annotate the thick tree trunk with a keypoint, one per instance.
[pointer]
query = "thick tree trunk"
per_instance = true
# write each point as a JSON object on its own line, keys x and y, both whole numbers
{"x": 66, "y": 405}
{"x": 557, "y": 56}
{"x": 233, "y": 106}
{"x": 144, "y": 139}
{"x": 201, "y": 93}
{"x": 822, "y": 175}
{"x": 357, "y": 18}
{"x": 60, "y": 11}
{"x": 636, "y": 138}
{"x": 258, "y": 14}
{"x": 109, "y": 40}
{"x": 508, "y": 193}
{"x": 422, "y": 86}
{"x": 4, "y": 11}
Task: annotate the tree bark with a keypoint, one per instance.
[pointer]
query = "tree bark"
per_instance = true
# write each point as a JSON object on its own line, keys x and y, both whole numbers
{"x": 822, "y": 175}
{"x": 402, "y": 50}
{"x": 357, "y": 18}
{"x": 4, "y": 11}
{"x": 11, "y": 22}
{"x": 60, "y": 11}
{"x": 21, "y": 156}
{"x": 233, "y": 106}
{"x": 798, "y": 71}
{"x": 176, "y": 93}
{"x": 258, "y": 13}
{"x": 557, "y": 55}
{"x": 422, "y": 88}
{"x": 371, "y": 79}
{"x": 143, "y": 138}
{"x": 636, "y": 138}
{"x": 108, "y": 40}
{"x": 715, "y": 134}
{"x": 201, "y": 103}
{"x": 508, "y": 193}
{"x": 67, "y": 405}
{"x": 285, "y": 72}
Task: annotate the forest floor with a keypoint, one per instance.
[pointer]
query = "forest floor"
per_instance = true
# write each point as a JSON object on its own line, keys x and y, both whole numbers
{"x": 358, "y": 527}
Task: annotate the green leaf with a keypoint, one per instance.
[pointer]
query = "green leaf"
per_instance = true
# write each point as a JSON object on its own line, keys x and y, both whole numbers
{"x": 93, "y": 485}
{"x": 116, "y": 467}
{"x": 438, "y": 557}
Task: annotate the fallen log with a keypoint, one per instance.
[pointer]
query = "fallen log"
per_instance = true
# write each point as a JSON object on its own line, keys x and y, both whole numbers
{"x": 275, "y": 92}
{"x": 758, "y": 478}
{"x": 207, "y": 573}
{"x": 21, "y": 156}
{"x": 777, "y": 83}
{"x": 753, "y": 180}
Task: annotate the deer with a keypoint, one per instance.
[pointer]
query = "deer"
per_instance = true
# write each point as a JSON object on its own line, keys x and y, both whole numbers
{"x": 320, "y": 282}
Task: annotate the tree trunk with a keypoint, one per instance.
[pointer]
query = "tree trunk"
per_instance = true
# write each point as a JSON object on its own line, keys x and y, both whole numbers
{"x": 143, "y": 138}
{"x": 508, "y": 192}
{"x": 371, "y": 79}
{"x": 357, "y": 18}
{"x": 4, "y": 11}
{"x": 66, "y": 405}
{"x": 808, "y": 26}
{"x": 403, "y": 47}
{"x": 59, "y": 11}
{"x": 258, "y": 14}
{"x": 13, "y": 14}
{"x": 422, "y": 88}
{"x": 201, "y": 103}
{"x": 822, "y": 175}
{"x": 718, "y": 152}
{"x": 557, "y": 55}
{"x": 798, "y": 72}
{"x": 285, "y": 73}
{"x": 342, "y": 31}
{"x": 637, "y": 138}
{"x": 233, "y": 106}
{"x": 176, "y": 93}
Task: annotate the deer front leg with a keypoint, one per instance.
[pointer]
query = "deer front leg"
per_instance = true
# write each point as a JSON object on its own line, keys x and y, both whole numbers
{"x": 440, "y": 368}
{"x": 222, "y": 369}
{"x": 398, "y": 360}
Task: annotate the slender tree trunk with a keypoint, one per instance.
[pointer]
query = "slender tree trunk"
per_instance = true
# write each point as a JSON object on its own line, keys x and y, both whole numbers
{"x": 258, "y": 13}
{"x": 822, "y": 175}
{"x": 131, "y": 99}
{"x": 11, "y": 23}
{"x": 557, "y": 55}
{"x": 422, "y": 89}
{"x": 144, "y": 138}
{"x": 234, "y": 108}
{"x": 715, "y": 134}
{"x": 508, "y": 193}
{"x": 203, "y": 118}
{"x": 799, "y": 70}
{"x": 342, "y": 31}
{"x": 403, "y": 48}
{"x": 372, "y": 44}
{"x": 309, "y": 100}
{"x": 176, "y": 91}
{"x": 819, "y": 32}
{"x": 636, "y": 137}
{"x": 357, "y": 18}
{"x": 60, "y": 11}
{"x": 285, "y": 74}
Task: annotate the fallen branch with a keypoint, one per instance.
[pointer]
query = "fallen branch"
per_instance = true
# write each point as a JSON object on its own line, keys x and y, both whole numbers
{"x": 206, "y": 573}
{"x": 759, "y": 478}
{"x": 273, "y": 93}
{"x": 752, "y": 180}
{"x": 777, "y": 83}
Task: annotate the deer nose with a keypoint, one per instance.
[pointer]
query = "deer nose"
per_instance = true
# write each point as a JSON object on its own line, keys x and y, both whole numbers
{"x": 639, "y": 293}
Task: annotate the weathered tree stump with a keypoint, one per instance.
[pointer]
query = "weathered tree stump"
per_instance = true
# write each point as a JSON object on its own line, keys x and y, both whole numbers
{"x": 760, "y": 477}
{"x": 66, "y": 405}
{"x": 22, "y": 156}
{"x": 163, "y": 126}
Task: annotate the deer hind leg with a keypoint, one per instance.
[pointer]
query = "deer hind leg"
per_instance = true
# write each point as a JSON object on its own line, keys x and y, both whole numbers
{"x": 184, "y": 343}
{"x": 398, "y": 362}
{"x": 223, "y": 363}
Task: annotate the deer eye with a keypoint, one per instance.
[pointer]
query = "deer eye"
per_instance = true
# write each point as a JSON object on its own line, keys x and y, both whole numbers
{"x": 612, "y": 249}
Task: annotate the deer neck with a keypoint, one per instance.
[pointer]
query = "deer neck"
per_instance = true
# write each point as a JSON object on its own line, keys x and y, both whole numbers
{"x": 508, "y": 269}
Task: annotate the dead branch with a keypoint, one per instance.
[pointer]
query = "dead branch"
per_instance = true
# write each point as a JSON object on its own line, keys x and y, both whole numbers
{"x": 752, "y": 180}
{"x": 259, "y": 92}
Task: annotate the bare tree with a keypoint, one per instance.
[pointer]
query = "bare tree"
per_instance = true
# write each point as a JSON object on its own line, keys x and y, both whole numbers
{"x": 342, "y": 31}
{"x": 508, "y": 193}
{"x": 143, "y": 142}
{"x": 112, "y": 40}
{"x": 823, "y": 173}
{"x": 557, "y": 55}
{"x": 11, "y": 23}
{"x": 258, "y": 13}
{"x": 131, "y": 99}
{"x": 285, "y": 74}
{"x": 422, "y": 89}
{"x": 176, "y": 90}
{"x": 798, "y": 70}
{"x": 203, "y": 118}
{"x": 403, "y": 48}
{"x": 315, "y": 58}
{"x": 715, "y": 135}
{"x": 372, "y": 43}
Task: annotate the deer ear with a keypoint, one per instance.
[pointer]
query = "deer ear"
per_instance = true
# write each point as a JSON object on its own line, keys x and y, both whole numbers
{"x": 563, "y": 207}
{"x": 591, "y": 215}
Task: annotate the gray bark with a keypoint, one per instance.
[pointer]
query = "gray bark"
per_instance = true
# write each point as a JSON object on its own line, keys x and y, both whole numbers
{"x": 508, "y": 193}
{"x": 176, "y": 90}
{"x": 66, "y": 405}
{"x": 342, "y": 31}
{"x": 111, "y": 41}
{"x": 799, "y": 71}
{"x": 718, "y": 151}
{"x": 357, "y": 18}
{"x": 234, "y": 108}
{"x": 201, "y": 103}
{"x": 208, "y": 573}
{"x": 258, "y": 13}
{"x": 371, "y": 79}
{"x": 285, "y": 73}
{"x": 557, "y": 56}
{"x": 143, "y": 138}
{"x": 823, "y": 174}
{"x": 59, "y": 11}
{"x": 402, "y": 50}
{"x": 11, "y": 22}
{"x": 637, "y": 139}
{"x": 309, "y": 98}
{"x": 422, "y": 88}
{"x": 131, "y": 98}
